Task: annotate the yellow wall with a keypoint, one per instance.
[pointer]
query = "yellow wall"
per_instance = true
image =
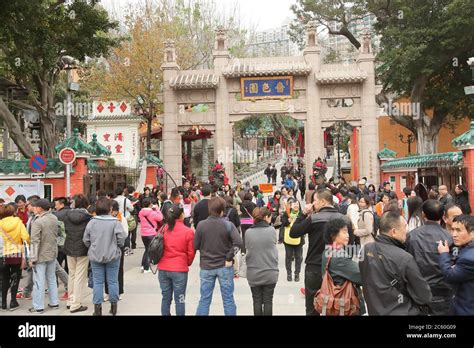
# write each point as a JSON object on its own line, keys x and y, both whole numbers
{"x": 389, "y": 132}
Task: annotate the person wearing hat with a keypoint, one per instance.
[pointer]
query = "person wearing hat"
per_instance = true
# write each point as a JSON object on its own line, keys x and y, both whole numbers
{"x": 43, "y": 254}
{"x": 363, "y": 190}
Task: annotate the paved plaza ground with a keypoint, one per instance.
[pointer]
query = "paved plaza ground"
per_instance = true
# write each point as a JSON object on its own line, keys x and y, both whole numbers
{"x": 143, "y": 295}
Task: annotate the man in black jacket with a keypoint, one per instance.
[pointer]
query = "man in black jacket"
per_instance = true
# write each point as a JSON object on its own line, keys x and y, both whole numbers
{"x": 313, "y": 222}
{"x": 201, "y": 209}
{"x": 61, "y": 207}
{"x": 268, "y": 173}
{"x": 391, "y": 280}
{"x": 388, "y": 190}
{"x": 422, "y": 244}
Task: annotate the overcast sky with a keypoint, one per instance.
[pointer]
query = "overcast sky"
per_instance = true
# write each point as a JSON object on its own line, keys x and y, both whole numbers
{"x": 262, "y": 14}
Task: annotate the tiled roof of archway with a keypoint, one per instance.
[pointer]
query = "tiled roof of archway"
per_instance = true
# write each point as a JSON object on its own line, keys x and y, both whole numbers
{"x": 241, "y": 67}
{"x": 195, "y": 79}
{"x": 340, "y": 73}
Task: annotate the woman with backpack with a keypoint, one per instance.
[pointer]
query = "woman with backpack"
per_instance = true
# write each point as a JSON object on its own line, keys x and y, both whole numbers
{"x": 262, "y": 261}
{"x": 341, "y": 268}
{"x": 150, "y": 219}
{"x": 365, "y": 225}
{"x": 230, "y": 212}
{"x": 178, "y": 255}
{"x": 104, "y": 236}
{"x": 117, "y": 214}
{"x": 293, "y": 246}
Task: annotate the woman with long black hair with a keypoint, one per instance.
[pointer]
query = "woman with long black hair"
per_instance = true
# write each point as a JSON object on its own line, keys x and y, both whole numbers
{"x": 246, "y": 219}
{"x": 177, "y": 257}
{"x": 461, "y": 199}
{"x": 415, "y": 216}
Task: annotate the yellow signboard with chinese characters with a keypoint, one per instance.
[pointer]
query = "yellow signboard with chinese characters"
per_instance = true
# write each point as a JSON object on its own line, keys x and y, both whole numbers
{"x": 278, "y": 87}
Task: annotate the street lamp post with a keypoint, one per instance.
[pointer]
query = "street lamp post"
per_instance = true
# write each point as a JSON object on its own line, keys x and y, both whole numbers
{"x": 410, "y": 140}
{"x": 69, "y": 63}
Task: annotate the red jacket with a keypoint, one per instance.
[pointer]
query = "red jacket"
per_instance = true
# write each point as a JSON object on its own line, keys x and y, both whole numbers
{"x": 23, "y": 215}
{"x": 178, "y": 249}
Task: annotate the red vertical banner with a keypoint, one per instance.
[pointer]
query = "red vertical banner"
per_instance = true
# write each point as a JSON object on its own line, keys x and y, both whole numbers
{"x": 355, "y": 155}
{"x": 469, "y": 179}
{"x": 301, "y": 144}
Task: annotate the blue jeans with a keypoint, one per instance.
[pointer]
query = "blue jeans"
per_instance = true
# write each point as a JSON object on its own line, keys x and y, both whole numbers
{"x": 173, "y": 282}
{"x": 45, "y": 273}
{"x": 99, "y": 273}
{"x": 225, "y": 275}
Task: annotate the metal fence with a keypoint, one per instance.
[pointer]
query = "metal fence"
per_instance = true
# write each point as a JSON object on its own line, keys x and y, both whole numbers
{"x": 110, "y": 178}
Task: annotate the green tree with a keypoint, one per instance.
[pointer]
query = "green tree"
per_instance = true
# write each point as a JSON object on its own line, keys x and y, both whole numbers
{"x": 34, "y": 35}
{"x": 424, "y": 48}
{"x": 133, "y": 71}
{"x": 334, "y": 15}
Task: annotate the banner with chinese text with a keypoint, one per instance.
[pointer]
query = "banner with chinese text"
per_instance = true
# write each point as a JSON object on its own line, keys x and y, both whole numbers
{"x": 280, "y": 87}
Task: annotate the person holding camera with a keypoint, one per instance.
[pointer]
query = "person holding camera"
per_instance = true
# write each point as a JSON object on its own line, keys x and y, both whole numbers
{"x": 313, "y": 222}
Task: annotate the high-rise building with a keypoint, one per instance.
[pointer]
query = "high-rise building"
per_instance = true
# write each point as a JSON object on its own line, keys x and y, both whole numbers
{"x": 342, "y": 47}
{"x": 273, "y": 42}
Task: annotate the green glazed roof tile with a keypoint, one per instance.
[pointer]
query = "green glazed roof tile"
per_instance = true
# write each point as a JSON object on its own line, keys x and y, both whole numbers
{"x": 76, "y": 143}
{"x": 92, "y": 166}
{"x": 99, "y": 150}
{"x": 466, "y": 138}
{"x": 23, "y": 166}
{"x": 153, "y": 159}
{"x": 425, "y": 161}
{"x": 387, "y": 153}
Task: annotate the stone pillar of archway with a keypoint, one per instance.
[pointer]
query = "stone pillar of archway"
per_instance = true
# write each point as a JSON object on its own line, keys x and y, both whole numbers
{"x": 369, "y": 139}
{"x": 313, "y": 131}
{"x": 171, "y": 138}
{"x": 223, "y": 146}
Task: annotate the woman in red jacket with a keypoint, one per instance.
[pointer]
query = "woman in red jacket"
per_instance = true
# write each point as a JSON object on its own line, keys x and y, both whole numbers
{"x": 177, "y": 257}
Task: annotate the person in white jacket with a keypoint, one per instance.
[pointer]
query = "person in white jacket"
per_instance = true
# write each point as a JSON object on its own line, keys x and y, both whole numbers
{"x": 353, "y": 210}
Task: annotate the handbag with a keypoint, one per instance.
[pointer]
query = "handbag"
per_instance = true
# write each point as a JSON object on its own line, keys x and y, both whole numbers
{"x": 248, "y": 220}
{"x": 277, "y": 222}
{"x": 131, "y": 221}
{"x": 333, "y": 300}
{"x": 90, "y": 280}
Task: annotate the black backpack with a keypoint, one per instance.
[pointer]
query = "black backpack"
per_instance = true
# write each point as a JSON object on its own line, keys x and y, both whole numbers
{"x": 156, "y": 248}
{"x": 376, "y": 226}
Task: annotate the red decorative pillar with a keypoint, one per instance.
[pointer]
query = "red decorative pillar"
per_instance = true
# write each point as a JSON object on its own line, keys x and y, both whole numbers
{"x": 77, "y": 177}
{"x": 151, "y": 175}
{"x": 468, "y": 156}
{"x": 465, "y": 143}
{"x": 355, "y": 155}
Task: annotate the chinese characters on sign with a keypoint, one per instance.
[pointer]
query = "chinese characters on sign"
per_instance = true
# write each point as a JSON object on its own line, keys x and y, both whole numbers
{"x": 267, "y": 87}
{"x": 113, "y": 142}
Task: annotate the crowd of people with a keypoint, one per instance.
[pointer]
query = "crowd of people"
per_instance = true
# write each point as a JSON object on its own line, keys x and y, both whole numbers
{"x": 397, "y": 255}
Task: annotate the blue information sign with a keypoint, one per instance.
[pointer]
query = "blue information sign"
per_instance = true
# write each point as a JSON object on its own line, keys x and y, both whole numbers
{"x": 267, "y": 87}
